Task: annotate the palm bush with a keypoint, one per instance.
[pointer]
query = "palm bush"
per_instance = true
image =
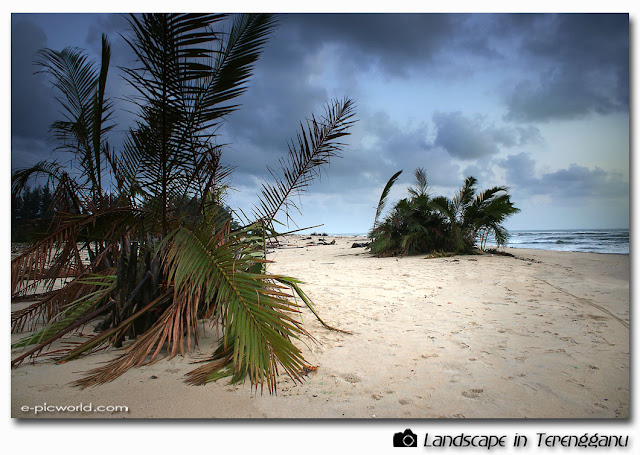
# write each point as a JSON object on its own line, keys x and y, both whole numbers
{"x": 425, "y": 224}
{"x": 160, "y": 250}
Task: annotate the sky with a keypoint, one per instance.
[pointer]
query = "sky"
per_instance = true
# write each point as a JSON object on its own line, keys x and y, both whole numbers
{"x": 535, "y": 102}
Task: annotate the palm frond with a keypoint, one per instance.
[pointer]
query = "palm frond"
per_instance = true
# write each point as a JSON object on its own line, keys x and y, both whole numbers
{"x": 85, "y": 108}
{"x": 383, "y": 197}
{"x": 316, "y": 145}
{"x": 258, "y": 318}
{"x": 422, "y": 186}
{"x": 52, "y": 170}
{"x": 96, "y": 289}
{"x": 233, "y": 66}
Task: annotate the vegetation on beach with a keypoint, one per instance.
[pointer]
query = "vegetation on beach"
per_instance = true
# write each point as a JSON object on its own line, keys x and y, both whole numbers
{"x": 141, "y": 236}
{"x": 421, "y": 223}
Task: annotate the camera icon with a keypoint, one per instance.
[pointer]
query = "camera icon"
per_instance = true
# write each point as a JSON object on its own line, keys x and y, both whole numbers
{"x": 405, "y": 439}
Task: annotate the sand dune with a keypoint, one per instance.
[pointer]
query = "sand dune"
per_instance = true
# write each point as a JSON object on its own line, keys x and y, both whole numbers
{"x": 539, "y": 335}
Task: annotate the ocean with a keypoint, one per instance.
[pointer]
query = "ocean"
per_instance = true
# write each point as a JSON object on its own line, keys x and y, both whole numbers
{"x": 611, "y": 241}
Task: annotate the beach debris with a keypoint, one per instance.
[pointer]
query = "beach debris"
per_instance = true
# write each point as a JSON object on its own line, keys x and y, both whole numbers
{"x": 359, "y": 245}
{"x": 324, "y": 242}
{"x": 309, "y": 369}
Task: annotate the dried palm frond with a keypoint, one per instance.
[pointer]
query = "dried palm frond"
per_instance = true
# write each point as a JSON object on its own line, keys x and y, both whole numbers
{"x": 59, "y": 254}
{"x": 42, "y": 311}
{"x": 168, "y": 329}
{"x": 95, "y": 291}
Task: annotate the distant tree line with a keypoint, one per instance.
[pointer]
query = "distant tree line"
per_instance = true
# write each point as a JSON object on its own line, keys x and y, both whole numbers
{"x": 30, "y": 209}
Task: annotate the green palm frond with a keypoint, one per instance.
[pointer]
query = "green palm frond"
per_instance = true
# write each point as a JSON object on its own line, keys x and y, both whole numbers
{"x": 294, "y": 285}
{"x": 316, "y": 145}
{"x": 422, "y": 186}
{"x": 86, "y": 109}
{"x": 383, "y": 197}
{"x": 185, "y": 78}
{"x": 258, "y": 318}
{"x": 233, "y": 66}
{"x": 74, "y": 75}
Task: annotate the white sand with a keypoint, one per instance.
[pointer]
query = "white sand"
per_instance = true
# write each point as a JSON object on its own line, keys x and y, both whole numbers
{"x": 541, "y": 335}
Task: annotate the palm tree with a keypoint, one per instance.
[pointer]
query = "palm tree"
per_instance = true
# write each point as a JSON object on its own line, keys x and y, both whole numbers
{"x": 420, "y": 223}
{"x": 456, "y": 210}
{"x": 167, "y": 253}
{"x": 489, "y": 210}
{"x": 412, "y": 226}
{"x": 81, "y": 84}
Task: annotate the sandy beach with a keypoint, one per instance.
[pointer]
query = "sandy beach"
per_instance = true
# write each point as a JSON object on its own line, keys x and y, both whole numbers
{"x": 538, "y": 335}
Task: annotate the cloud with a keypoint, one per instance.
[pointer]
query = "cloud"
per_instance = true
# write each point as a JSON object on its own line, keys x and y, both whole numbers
{"x": 577, "y": 64}
{"x": 531, "y": 68}
{"x": 469, "y": 138}
{"x": 32, "y": 109}
{"x": 394, "y": 43}
{"x": 576, "y": 181}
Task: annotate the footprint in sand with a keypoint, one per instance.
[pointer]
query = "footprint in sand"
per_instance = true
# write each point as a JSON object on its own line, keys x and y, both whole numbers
{"x": 351, "y": 378}
{"x": 426, "y": 356}
{"x": 405, "y": 401}
{"x": 472, "y": 393}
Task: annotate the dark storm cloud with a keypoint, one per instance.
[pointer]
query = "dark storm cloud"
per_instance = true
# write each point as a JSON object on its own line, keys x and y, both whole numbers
{"x": 468, "y": 138}
{"x": 290, "y": 83}
{"x": 283, "y": 91}
{"x": 579, "y": 64}
{"x": 32, "y": 107}
{"x": 382, "y": 147}
{"x": 28, "y": 90}
{"x": 394, "y": 43}
{"x": 573, "y": 182}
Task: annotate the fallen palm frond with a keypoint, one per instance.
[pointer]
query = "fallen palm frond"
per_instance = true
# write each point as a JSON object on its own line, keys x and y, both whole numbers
{"x": 66, "y": 252}
{"x": 257, "y": 317}
{"x": 42, "y": 311}
{"x": 168, "y": 328}
{"x": 96, "y": 291}
{"x": 116, "y": 332}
